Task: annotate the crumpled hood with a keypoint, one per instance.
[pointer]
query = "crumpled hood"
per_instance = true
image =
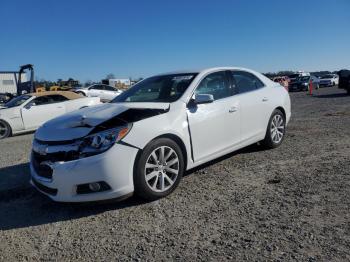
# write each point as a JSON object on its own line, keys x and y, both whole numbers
{"x": 80, "y": 123}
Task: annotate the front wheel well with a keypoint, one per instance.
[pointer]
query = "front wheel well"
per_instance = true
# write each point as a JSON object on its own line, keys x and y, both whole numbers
{"x": 7, "y": 123}
{"x": 177, "y": 140}
{"x": 282, "y": 110}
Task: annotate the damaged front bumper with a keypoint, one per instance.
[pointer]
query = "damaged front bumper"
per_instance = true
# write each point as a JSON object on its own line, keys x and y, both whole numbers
{"x": 68, "y": 181}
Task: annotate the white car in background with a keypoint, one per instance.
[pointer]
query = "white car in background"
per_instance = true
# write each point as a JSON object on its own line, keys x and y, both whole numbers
{"x": 27, "y": 112}
{"x": 329, "y": 80}
{"x": 147, "y": 137}
{"x": 105, "y": 92}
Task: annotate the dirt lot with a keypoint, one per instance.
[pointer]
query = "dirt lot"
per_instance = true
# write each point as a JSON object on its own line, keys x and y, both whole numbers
{"x": 291, "y": 203}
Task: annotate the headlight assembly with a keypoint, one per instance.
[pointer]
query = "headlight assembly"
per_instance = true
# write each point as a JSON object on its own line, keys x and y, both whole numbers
{"x": 102, "y": 141}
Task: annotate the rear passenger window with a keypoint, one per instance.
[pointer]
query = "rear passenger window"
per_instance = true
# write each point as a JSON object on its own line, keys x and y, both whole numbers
{"x": 245, "y": 82}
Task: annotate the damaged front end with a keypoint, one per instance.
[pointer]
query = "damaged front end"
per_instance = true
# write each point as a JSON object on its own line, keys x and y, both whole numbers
{"x": 86, "y": 134}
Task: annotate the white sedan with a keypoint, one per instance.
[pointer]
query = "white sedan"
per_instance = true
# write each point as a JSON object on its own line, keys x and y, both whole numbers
{"x": 329, "y": 80}
{"x": 145, "y": 139}
{"x": 105, "y": 92}
{"x": 28, "y": 112}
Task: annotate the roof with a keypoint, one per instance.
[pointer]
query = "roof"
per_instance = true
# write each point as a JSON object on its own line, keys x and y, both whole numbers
{"x": 214, "y": 69}
{"x": 203, "y": 70}
{"x": 68, "y": 94}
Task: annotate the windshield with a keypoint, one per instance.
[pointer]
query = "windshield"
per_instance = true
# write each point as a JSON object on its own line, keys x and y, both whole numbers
{"x": 294, "y": 76}
{"x": 164, "y": 88}
{"x": 17, "y": 101}
{"x": 327, "y": 76}
{"x": 304, "y": 78}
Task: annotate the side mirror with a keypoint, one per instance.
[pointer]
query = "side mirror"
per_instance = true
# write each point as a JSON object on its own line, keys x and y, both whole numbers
{"x": 203, "y": 99}
{"x": 29, "y": 105}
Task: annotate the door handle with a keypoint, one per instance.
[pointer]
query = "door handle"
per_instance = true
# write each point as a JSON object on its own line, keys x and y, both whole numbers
{"x": 265, "y": 99}
{"x": 233, "y": 109}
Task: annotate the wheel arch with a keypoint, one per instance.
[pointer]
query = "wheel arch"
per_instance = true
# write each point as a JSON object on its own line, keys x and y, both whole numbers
{"x": 8, "y": 124}
{"x": 179, "y": 141}
{"x": 282, "y": 110}
{"x": 173, "y": 137}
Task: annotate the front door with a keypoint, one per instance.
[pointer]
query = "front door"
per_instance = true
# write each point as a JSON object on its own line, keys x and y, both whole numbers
{"x": 215, "y": 126}
{"x": 40, "y": 110}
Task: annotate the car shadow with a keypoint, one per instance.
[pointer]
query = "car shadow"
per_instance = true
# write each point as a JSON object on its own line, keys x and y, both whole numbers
{"x": 246, "y": 150}
{"x": 21, "y": 206}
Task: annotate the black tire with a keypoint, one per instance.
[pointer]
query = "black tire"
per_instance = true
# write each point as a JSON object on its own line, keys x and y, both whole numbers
{"x": 5, "y": 129}
{"x": 142, "y": 187}
{"x": 81, "y": 93}
{"x": 268, "y": 141}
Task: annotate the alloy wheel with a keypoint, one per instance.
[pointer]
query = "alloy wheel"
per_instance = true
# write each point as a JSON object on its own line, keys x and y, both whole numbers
{"x": 161, "y": 169}
{"x": 277, "y": 129}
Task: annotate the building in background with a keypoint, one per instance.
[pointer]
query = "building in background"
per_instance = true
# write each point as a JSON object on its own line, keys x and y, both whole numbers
{"x": 8, "y": 81}
{"x": 120, "y": 83}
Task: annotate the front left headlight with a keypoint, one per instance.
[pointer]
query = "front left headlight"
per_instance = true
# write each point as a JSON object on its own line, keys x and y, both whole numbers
{"x": 102, "y": 141}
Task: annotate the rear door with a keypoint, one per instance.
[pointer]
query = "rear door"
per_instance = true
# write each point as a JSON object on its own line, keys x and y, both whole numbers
{"x": 40, "y": 110}
{"x": 254, "y": 104}
{"x": 214, "y": 126}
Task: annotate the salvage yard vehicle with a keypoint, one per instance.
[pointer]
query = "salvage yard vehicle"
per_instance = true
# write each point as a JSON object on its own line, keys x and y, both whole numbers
{"x": 294, "y": 77}
{"x": 344, "y": 80}
{"x": 147, "y": 137}
{"x": 329, "y": 80}
{"x": 27, "y": 112}
{"x": 105, "y": 92}
{"x": 303, "y": 83}
{"x": 282, "y": 80}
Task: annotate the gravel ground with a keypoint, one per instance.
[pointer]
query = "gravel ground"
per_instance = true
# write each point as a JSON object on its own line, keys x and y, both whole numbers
{"x": 291, "y": 203}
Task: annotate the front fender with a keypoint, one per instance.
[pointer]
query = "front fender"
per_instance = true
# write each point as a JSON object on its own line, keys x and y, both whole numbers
{"x": 173, "y": 122}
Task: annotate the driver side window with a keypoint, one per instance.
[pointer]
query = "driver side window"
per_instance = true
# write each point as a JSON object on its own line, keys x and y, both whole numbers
{"x": 215, "y": 84}
{"x": 42, "y": 100}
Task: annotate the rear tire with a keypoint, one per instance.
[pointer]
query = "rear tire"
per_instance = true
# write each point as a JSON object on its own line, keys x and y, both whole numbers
{"x": 275, "y": 130}
{"x": 159, "y": 169}
{"x": 5, "y": 129}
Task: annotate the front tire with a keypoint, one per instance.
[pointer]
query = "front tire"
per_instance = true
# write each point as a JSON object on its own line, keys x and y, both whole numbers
{"x": 275, "y": 130}
{"x": 159, "y": 169}
{"x": 5, "y": 129}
